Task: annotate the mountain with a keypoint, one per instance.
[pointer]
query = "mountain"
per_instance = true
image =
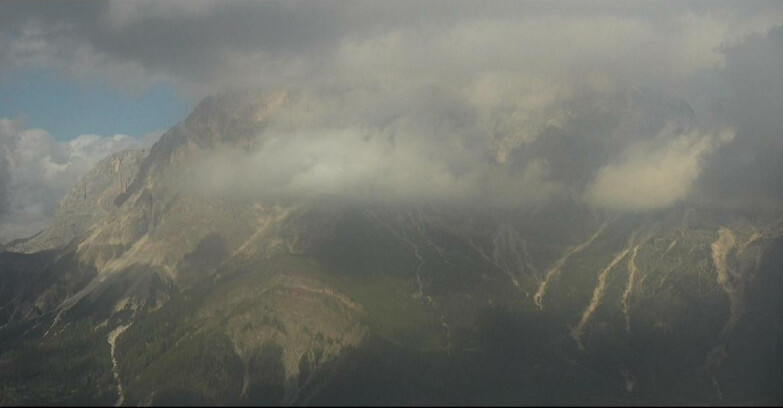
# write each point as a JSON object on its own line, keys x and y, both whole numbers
{"x": 144, "y": 291}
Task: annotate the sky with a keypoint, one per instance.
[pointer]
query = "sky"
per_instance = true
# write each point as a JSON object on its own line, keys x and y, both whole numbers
{"x": 627, "y": 106}
{"x": 69, "y": 108}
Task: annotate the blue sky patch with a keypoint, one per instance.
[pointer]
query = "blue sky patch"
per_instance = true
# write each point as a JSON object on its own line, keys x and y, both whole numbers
{"x": 67, "y": 109}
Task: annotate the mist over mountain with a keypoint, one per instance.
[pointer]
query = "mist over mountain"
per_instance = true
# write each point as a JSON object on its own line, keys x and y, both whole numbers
{"x": 290, "y": 285}
{"x": 409, "y": 204}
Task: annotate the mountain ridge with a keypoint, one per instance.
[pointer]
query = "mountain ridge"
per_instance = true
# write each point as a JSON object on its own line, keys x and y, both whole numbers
{"x": 226, "y": 300}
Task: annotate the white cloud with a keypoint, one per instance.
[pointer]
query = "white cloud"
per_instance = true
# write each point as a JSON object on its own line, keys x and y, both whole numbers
{"x": 655, "y": 174}
{"x": 395, "y": 165}
{"x": 41, "y": 170}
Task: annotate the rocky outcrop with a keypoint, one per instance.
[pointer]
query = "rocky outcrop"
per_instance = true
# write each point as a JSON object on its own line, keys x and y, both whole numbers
{"x": 309, "y": 321}
{"x": 90, "y": 201}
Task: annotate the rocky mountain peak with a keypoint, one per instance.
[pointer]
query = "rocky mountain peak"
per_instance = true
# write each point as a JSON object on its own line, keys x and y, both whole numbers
{"x": 89, "y": 201}
{"x": 233, "y": 117}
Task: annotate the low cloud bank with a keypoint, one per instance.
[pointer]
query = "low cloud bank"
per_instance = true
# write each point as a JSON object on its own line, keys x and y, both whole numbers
{"x": 651, "y": 177}
{"x": 355, "y": 165}
{"x": 611, "y": 148}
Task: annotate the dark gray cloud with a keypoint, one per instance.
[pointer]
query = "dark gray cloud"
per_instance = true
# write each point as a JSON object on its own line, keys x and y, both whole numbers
{"x": 198, "y": 42}
{"x": 750, "y": 169}
{"x": 5, "y": 166}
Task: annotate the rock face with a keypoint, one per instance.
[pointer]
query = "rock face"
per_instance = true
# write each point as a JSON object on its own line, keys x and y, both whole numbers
{"x": 147, "y": 241}
{"x": 224, "y": 300}
{"x": 89, "y": 201}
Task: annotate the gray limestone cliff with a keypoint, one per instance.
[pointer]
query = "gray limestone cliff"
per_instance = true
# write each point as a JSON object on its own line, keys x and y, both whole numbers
{"x": 89, "y": 201}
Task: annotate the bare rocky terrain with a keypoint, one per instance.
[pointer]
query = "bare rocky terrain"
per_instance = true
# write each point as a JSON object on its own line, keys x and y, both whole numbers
{"x": 142, "y": 292}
